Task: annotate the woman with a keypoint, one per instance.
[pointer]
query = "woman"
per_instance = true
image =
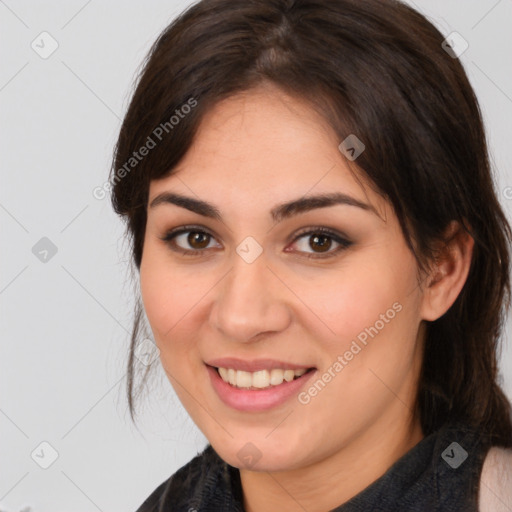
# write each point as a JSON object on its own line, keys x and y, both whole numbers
{"x": 323, "y": 260}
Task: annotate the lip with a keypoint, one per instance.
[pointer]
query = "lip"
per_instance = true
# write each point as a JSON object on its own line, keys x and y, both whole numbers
{"x": 256, "y": 400}
{"x": 254, "y": 365}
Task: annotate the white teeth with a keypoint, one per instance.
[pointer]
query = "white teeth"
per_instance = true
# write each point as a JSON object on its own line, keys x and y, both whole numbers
{"x": 276, "y": 377}
{"x": 260, "y": 379}
{"x": 224, "y": 374}
{"x": 232, "y": 377}
{"x": 289, "y": 375}
{"x": 243, "y": 379}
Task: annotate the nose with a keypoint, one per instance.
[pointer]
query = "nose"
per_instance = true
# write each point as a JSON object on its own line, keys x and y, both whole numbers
{"x": 250, "y": 301}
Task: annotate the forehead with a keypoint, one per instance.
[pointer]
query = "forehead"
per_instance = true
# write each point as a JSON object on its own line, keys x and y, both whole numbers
{"x": 263, "y": 125}
{"x": 263, "y": 143}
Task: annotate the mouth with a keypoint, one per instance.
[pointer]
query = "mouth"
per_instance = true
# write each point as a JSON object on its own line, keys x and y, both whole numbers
{"x": 259, "y": 390}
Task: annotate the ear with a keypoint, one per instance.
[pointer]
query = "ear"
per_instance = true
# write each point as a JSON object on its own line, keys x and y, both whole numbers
{"x": 448, "y": 273}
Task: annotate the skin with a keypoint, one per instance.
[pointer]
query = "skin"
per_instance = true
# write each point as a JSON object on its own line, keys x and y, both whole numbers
{"x": 252, "y": 152}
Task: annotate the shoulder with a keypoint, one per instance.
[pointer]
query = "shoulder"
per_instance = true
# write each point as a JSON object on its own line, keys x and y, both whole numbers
{"x": 496, "y": 481}
{"x": 184, "y": 486}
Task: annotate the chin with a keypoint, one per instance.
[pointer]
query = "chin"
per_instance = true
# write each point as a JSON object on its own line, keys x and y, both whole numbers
{"x": 259, "y": 456}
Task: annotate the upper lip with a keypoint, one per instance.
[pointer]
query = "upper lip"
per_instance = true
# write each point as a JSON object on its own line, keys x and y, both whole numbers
{"x": 254, "y": 365}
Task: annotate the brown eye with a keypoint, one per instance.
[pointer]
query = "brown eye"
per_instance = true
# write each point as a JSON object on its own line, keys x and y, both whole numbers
{"x": 188, "y": 240}
{"x": 320, "y": 242}
{"x": 198, "y": 239}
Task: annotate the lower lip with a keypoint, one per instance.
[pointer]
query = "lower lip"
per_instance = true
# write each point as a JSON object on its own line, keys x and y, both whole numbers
{"x": 254, "y": 400}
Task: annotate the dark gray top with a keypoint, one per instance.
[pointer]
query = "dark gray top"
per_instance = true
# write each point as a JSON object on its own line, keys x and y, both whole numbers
{"x": 440, "y": 474}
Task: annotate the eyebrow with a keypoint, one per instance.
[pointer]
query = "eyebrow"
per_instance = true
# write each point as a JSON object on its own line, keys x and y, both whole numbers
{"x": 278, "y": 213}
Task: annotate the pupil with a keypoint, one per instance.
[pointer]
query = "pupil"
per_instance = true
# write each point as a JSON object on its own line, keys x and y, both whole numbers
{"x": 324, "y": 245}
{"x": 199, "y": 238}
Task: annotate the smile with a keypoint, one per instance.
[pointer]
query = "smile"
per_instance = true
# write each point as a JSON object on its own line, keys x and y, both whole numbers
{"x": 259, "y": 390}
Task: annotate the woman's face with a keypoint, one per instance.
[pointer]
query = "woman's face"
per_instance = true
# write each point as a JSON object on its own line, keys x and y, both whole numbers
{"x": 268, "y": 289}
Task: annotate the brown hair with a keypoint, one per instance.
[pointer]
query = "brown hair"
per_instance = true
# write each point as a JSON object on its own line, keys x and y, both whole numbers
{"x": 375, "y": 68}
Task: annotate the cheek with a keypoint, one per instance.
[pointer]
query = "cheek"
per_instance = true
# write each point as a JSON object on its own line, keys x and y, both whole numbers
{"x": 162, "y": 290}
{"x": 376, "y": 327}
{"x": 354, "y": 300}
{"x": 374, "y": 316}
{"x": 173, "y": 297}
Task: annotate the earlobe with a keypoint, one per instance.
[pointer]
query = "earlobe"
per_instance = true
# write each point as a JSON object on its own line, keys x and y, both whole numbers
{"x": 449, "y": 272}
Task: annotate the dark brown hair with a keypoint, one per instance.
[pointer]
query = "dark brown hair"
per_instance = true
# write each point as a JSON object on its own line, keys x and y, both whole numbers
{"x": 377, "y": 69}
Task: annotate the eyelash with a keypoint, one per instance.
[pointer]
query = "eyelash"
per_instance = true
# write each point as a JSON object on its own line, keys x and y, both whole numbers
{"x": 168, "y": 238}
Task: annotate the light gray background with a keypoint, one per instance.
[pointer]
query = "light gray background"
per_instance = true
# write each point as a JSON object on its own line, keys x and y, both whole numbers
{"x": 65, "y": 323}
